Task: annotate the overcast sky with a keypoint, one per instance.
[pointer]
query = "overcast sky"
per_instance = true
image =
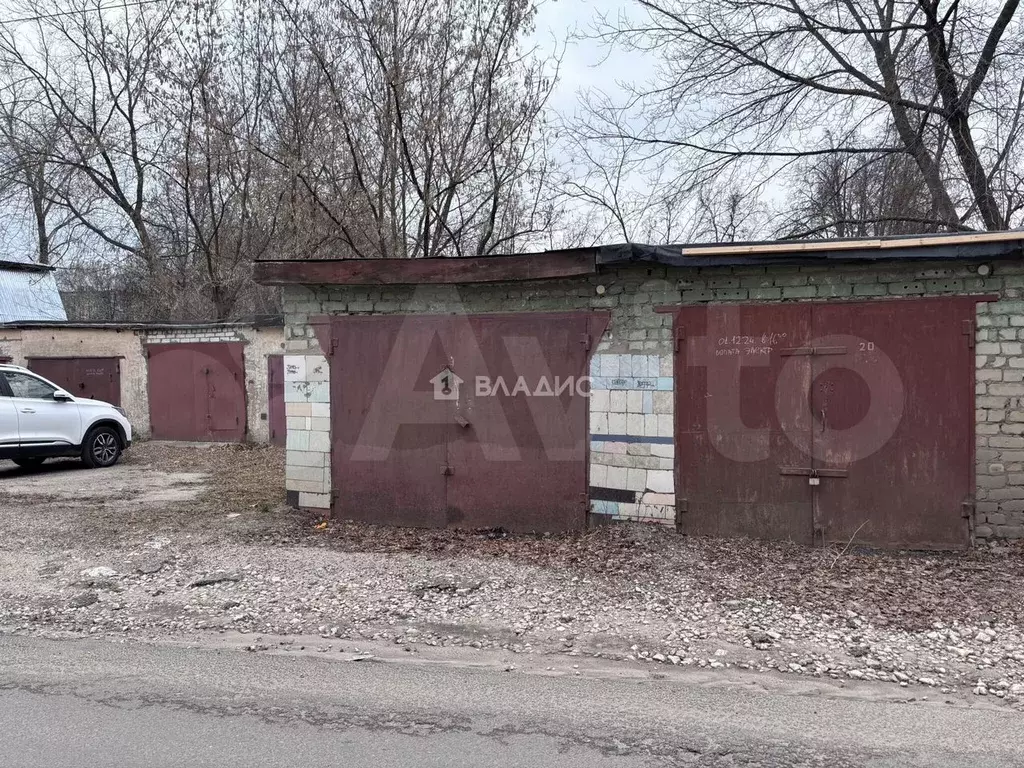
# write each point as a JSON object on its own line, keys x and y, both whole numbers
{"x": 584, "y": 64}
{"x": 559, "y": 25}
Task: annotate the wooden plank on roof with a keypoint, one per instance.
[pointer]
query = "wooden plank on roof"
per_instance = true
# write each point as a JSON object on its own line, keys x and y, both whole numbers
{"x": 487, "y": 269}
{"x": 866, "y": 244}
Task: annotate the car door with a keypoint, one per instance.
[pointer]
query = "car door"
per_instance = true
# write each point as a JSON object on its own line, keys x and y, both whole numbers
{"x": 42, "y": 420}
{"x": 8, "y": 422}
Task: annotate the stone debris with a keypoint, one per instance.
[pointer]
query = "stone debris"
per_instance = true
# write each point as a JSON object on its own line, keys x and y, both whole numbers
{"x": 98, "y": 572}
{"x": 218, "y": 577}
{"x": 83, "y": 600}
{"x": 151, "y": 565}
{"x": 945, "y": 624}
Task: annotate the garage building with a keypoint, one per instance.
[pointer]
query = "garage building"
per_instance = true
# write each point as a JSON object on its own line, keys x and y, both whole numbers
{"x": 865, "y": 391}
{"x": 208, "y": 383}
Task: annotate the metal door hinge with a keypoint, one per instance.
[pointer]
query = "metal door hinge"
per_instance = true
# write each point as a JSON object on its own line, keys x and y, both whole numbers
{"x": 967, "y": 508}
{"x": 678, "y": 338}
{"x": 586, "y": 341}
{"x": 334, "y": 347}
{"x": 968, "y": 331}
{"x": 682, "y": 507}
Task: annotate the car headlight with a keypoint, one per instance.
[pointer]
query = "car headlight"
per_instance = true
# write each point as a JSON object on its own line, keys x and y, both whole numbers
{"x": 121, "y": 411}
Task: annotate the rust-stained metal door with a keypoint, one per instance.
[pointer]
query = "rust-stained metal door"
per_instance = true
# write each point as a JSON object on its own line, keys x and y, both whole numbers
{"x": 420, "y": 438}
{"x": 276, "y": 418}
{"x": 95, "y": 378}
{"x": 867, "y": 417}
{"x": 389, "y": 432}
{"x": 732, "y": 427}
{"x": 894, "y": 422}
{"x": 518, "y": 456}
{"x": 197, "y": 391}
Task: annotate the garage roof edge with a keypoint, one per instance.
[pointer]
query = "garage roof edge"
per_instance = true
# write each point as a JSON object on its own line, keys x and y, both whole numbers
{"x": 270, "y": 322}
{"x": 574, "y": 262}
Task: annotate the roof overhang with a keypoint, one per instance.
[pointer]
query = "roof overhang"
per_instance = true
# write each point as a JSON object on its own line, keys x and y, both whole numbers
{"x": 24, "y": 266}
{"x": 482, "y": 269}
{"x": 977, "y": 246}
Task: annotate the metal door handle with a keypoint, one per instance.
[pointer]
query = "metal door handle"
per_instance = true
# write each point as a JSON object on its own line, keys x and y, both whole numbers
{"x": 28, "y": 410}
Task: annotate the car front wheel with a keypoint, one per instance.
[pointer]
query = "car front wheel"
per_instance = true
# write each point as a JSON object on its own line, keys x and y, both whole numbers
{"x": 102, "y": 448}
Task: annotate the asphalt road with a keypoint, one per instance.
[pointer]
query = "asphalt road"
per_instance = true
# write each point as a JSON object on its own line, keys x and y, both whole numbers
{"x": 95, "y": 703}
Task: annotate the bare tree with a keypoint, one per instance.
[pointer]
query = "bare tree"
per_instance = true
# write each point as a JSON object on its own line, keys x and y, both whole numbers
{"x": 218, "y": 212}
{"x": 188, "y": 140}
{"x": 92, "y": 68}
{"x": 432, "y": 138}
{"x": 28, "y": 142}
{"x": 859, "y": 196}
{"x": 766, "y": 85}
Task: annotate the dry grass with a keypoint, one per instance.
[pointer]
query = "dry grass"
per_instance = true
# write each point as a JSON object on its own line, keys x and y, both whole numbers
{"x": 242, "y": 477}
{"x": 906, "y": 590}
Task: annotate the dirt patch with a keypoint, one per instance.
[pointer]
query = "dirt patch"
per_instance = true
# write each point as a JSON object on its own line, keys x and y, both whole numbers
{"x": 157, "y": 489}
{"x": 171, "y": 517}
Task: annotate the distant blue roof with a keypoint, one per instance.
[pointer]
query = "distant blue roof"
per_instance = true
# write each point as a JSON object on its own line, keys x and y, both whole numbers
{"x": 28, "y": 292}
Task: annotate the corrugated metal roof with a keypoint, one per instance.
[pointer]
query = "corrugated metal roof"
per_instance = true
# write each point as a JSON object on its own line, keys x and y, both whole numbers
{"x": 29, "y": 296}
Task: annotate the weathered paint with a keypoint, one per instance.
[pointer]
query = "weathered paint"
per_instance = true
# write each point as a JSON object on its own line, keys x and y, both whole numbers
{"x": 631, "y": 467}
{"x": 817, "y": 423}
{"x": 197, "y": 391}
{"x": 433, "y": 425}
{"x": 519, "y": 455}
{"x": 95, "y": 378}
{"x": 127, "y": 344}
{"x": 732, "y": 435}
{"x": 123, "y": 345}
{"x": 276, "y": 416}
{"x": 897, "y": 412}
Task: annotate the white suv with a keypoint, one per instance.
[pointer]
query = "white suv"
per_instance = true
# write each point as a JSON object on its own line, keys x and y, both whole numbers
{"x": 39, "y": 420}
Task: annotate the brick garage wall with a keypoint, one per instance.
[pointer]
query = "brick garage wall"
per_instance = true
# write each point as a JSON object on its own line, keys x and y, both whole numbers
{"x": 259, "y": 344}
{"x": 632, "y": 470}
{"x": 90, "y": 342}
{"x": 639, "y": 341}
{"x": 128, "y": 345}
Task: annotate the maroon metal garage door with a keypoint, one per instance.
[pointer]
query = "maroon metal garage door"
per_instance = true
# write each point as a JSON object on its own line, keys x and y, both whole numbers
{"x": 276, "y": 417}
{"x": 472, "y": 422}
{"x": 197, "y": 391}
{"x": 96, "y": 378}
{"x": 840, "y": 422}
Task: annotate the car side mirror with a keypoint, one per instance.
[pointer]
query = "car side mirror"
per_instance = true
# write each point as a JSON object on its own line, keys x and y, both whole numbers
{"x": 62, "y": 397}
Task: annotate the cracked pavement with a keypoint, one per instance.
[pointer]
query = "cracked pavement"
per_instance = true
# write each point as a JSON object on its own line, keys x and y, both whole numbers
{"x": 92, "y": 702}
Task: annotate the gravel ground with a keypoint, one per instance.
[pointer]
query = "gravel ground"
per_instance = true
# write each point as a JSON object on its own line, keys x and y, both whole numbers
{"x": 181, "y": 542}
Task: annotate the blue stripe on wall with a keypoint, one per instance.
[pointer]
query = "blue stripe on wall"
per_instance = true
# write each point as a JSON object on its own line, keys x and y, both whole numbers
{"x": 630, "y": 439}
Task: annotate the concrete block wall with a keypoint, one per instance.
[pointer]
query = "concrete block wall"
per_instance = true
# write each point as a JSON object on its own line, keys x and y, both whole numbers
{"x": 633, "y": 458}
{"x": 199, "y": 335}
{"x": 308, "y": 410}
{"x": 21, "y": 344}
{"x": 631, "y": 426}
